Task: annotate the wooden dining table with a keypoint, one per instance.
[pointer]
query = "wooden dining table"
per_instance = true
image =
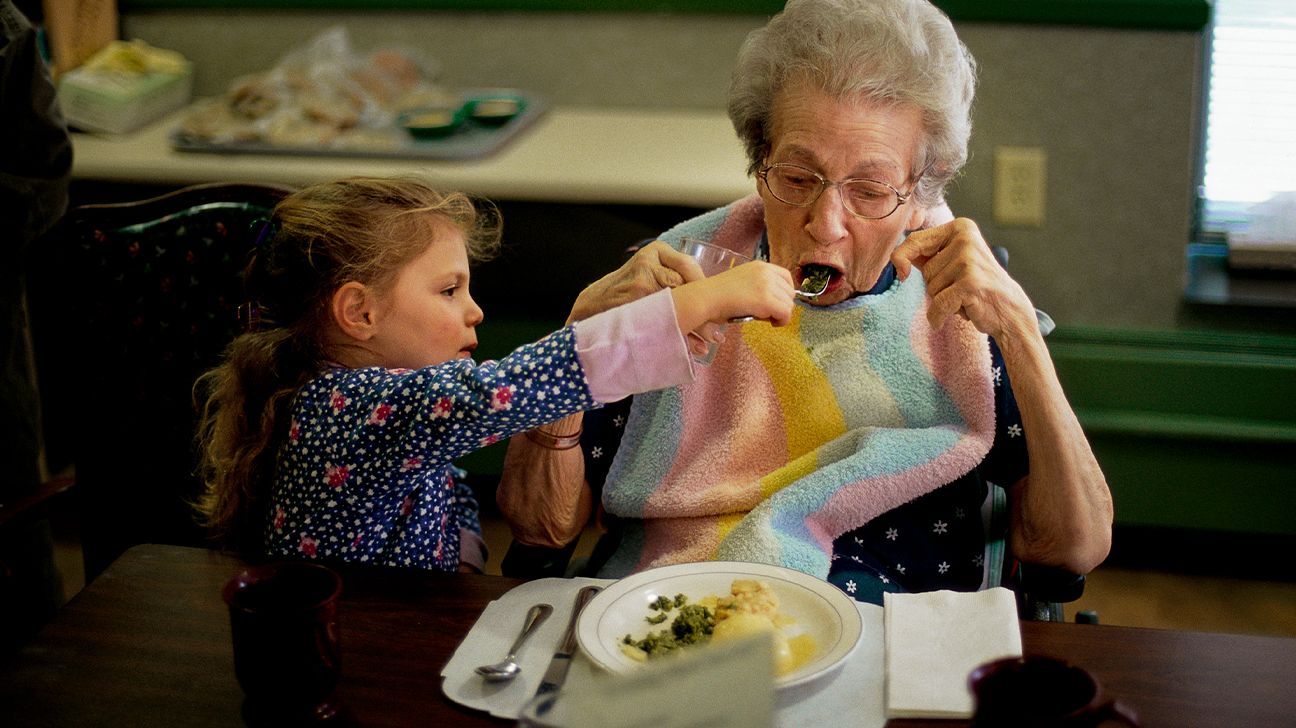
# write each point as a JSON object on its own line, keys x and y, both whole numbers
{"x": 147, "y": 643}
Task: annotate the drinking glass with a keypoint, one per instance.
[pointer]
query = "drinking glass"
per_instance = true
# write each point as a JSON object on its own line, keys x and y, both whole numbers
{"x": 283, "y": 620}
{"x": 713, "y": 259}
{"x": 1041, "y": 692}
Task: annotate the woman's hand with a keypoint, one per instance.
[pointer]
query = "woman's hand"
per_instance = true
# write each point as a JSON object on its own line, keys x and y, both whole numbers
{"x": 757, "y": 289}
{"x": 963, "y": 277}
{"x": 655, "y": 266}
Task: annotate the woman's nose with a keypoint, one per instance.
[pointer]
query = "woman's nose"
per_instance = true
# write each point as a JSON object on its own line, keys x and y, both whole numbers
{"x": 826, "y": 217}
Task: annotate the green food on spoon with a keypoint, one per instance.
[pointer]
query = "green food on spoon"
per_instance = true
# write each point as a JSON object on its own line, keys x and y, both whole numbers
{"x": 816, "y": 278}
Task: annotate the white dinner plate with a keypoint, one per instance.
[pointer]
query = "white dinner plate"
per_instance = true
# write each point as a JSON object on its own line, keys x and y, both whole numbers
{"x": 816, "y": 607}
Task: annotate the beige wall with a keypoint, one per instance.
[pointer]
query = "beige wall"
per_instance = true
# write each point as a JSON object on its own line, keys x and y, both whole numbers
{"x": 1114, "y": 110}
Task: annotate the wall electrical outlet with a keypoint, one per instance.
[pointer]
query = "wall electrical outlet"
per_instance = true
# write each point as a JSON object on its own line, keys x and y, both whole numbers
{"x": 1019, "y": 174}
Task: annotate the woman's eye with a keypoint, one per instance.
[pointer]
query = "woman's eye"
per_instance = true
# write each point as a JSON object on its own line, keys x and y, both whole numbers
{"x": 797, "y": 180}
{"x": 866, "y": 193}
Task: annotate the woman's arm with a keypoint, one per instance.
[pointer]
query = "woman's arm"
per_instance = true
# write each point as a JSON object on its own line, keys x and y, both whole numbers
{"x": 1062, "y": 510}
{"x": 543, "y": 493}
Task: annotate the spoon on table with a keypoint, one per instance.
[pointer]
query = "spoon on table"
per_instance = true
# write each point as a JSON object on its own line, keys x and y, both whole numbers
{"x": 509, "y": 668}
{"x": 811, "y": 288}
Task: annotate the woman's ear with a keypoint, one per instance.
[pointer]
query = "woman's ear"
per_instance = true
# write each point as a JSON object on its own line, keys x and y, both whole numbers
{"x": 352, "y": 310}
{"x": 921, "y": 218}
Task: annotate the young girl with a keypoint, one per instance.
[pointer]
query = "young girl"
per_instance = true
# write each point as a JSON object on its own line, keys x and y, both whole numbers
{"x": 330, "y": 429}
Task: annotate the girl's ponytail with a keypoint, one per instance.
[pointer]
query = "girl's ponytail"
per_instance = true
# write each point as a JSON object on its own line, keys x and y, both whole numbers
{"x": 244, "y": 418}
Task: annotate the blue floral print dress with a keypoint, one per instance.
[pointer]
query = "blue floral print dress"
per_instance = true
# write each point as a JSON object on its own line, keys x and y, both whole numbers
{"x": 365, "y": 473}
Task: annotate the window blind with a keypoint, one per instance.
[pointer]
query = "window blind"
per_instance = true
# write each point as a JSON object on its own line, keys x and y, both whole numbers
{"x": 1250, "y": 149}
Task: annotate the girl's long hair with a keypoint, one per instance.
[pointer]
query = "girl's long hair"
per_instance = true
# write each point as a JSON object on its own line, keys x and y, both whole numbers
{"x": 355, "y": 229}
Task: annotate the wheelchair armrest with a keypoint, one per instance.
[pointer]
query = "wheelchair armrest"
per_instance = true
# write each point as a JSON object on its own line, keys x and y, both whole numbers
{"x": 1049, "y": 583}
{"x": 534, "y": 562}
{"x": 1041, "y": 591}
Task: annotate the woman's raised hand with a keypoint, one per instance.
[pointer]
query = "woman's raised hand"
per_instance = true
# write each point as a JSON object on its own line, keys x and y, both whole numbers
{"x": 964, "y": 278}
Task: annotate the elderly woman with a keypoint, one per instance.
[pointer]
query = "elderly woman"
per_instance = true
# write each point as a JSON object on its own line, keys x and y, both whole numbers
{"x": 874, "y": 440}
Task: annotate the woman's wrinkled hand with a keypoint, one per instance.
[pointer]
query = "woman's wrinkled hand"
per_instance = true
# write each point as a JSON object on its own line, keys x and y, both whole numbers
{"x": 653, "y": 267}
{"x": 963, "y": 277}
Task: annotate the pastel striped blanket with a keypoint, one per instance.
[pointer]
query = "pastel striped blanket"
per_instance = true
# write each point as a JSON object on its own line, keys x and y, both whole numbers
{"x": 796, "y": 435}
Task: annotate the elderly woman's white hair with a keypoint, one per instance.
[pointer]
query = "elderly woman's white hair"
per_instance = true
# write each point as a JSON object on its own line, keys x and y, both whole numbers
{"x": 889, "y": 51}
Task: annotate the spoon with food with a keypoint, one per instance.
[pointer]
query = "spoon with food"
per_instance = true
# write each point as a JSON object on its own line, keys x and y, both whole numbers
{"x": 815, "y": 282}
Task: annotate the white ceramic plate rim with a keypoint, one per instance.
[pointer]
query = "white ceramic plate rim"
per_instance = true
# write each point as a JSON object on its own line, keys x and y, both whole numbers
{"x": 599, "y": 642}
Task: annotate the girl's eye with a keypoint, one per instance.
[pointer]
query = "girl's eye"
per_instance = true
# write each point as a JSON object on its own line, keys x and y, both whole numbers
{"x": 450, "y": 292}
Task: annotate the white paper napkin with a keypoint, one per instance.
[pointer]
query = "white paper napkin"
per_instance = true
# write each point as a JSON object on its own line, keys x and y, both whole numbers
{"x": 489, "y": 639}
{"x": 934, "y": 639}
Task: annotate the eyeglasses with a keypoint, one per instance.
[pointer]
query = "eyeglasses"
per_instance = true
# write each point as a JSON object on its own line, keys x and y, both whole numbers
{"x": 798, "y": 186}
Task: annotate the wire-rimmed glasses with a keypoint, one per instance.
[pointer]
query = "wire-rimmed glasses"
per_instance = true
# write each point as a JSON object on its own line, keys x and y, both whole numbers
{"x": 798, "y": 186}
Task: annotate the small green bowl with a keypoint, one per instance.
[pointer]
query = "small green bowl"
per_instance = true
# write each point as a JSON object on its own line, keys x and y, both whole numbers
{"x": 495, "y": 110}
{"x": 432, "y": 122}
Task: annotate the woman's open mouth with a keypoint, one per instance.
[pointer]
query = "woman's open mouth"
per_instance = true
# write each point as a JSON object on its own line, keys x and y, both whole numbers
{"x": 815, "y": 279}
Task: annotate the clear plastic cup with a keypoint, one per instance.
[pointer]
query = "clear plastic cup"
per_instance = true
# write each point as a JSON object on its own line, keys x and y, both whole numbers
{"x": 713, "y": 259}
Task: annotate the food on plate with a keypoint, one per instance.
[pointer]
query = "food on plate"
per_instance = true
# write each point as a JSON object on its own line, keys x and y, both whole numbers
{"x": 750, "y": 608}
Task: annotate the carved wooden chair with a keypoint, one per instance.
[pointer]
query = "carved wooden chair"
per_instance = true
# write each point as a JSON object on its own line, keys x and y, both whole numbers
{"x": 130, "y": 303}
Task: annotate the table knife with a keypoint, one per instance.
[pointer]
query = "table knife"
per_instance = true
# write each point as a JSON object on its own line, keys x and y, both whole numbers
{"x": 562, "y": 657}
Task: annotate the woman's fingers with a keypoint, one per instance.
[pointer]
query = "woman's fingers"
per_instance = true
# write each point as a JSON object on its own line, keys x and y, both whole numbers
{"x": 962, "y": 276}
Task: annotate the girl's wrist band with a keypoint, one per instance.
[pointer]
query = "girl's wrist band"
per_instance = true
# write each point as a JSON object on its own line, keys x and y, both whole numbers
{"x": 554, "y": 442}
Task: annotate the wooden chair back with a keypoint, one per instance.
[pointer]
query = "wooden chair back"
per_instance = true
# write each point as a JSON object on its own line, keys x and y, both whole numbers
{"x": 131, "y": 302}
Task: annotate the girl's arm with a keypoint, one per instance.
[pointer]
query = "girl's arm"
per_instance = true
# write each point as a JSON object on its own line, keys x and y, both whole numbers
{"x": 543, "y": 493}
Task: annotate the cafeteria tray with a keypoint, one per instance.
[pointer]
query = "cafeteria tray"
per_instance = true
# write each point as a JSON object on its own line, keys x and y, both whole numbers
{"x": 471, "y": 140}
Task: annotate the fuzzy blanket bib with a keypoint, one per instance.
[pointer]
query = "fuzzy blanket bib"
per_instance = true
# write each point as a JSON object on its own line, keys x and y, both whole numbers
{"x": 796, "y": 435}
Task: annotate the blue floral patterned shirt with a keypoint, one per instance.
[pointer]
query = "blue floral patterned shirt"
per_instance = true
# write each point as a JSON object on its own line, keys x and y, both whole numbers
{"x": 365, "y": 473}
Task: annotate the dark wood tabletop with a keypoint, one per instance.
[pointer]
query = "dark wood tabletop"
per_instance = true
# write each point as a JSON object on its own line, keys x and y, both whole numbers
{"x": 148, "y": 644}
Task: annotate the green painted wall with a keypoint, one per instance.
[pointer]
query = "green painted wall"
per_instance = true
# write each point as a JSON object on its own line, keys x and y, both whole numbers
{"x": 1193, "y": 429}
{"x": 1154, "y": 14}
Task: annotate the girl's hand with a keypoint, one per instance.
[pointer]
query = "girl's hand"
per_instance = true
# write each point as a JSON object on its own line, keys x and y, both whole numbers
{"x": 757, "y": 289}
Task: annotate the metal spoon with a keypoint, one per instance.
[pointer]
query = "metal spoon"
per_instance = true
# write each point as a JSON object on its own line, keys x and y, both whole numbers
{"x": 509, "y": 668}
{"x": 805, "y": 295}
{"x": 800, "y": 293}
{"x": 807, "y": 291}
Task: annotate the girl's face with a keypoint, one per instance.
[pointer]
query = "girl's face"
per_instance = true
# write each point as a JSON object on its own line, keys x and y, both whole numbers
{"x": 427, "y": 316}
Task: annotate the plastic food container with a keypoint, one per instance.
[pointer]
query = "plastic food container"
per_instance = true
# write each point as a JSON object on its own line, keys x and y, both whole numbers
{"x": 495, "y": 109}
{"x": 432, "y": 122}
